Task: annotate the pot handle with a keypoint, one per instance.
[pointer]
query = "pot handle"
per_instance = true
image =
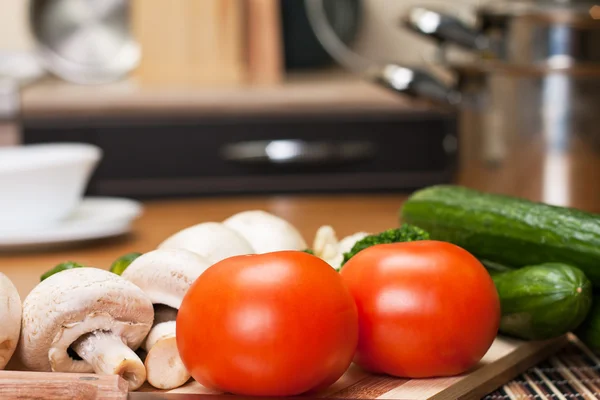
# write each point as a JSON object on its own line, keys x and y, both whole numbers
{"x": 416, "y": 83}
{"x": 445, "y": 28}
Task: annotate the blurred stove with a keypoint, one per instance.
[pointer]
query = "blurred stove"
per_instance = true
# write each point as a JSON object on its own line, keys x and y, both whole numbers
{"x": 301, "y": 153}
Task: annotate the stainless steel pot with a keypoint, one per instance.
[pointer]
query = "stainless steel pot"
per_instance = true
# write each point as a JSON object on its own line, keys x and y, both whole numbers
{"x": 85, "y": 42}
{"x": 544, "y": 33}
{"x": 528, "y": 91}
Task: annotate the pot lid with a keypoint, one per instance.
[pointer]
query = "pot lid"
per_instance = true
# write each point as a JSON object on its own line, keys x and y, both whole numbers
{"x": 550, "y": 11}
{"x": 482, "y": 68}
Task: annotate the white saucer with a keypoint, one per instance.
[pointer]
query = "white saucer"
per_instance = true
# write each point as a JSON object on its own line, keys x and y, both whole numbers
{"x": 95, "y": 218}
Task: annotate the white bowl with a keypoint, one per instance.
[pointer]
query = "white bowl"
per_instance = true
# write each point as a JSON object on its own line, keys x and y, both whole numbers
{"x": 41, "y": 184}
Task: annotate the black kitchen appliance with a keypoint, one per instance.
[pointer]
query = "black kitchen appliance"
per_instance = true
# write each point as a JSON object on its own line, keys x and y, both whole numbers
{"x": 300, "y": 152}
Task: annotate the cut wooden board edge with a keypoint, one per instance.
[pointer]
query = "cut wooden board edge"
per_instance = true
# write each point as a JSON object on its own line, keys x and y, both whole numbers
{"x": 358, "y": 384}
{"x": 483, "y": 380}
{"x": 369, "y": 387}
{"x": 61, "y": 385}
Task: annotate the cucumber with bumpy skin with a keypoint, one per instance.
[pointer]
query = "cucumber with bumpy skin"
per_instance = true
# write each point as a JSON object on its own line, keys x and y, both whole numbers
{"x": 543, "y": 301}
{"x": 507, "y": 230}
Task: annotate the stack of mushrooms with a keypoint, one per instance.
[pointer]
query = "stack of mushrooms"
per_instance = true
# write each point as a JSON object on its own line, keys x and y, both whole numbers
{"x": 90, "y": 320}
{"x": 165, "y": 275}
{"x": 248, "y": 232}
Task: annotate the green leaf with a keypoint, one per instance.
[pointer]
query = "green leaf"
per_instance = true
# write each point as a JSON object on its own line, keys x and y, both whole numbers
{"x": 121, "y": 263}
{"x": 61, "y": 267}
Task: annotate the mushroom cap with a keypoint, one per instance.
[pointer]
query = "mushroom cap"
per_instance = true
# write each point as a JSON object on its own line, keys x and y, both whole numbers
{"x": 72, "y": 303}
{"x": 10, "y": 315}
{"x": 266, "y": 232}
{"x": 211, "y": 240}
{"x": 165, "y": 275}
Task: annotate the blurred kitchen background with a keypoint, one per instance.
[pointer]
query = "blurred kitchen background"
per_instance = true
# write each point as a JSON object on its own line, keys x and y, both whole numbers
{"x": 214, "y": 97}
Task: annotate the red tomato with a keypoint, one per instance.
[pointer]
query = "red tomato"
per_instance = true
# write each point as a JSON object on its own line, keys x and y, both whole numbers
{"x": 425, "y": 308}
{"x": 277, "y": 324}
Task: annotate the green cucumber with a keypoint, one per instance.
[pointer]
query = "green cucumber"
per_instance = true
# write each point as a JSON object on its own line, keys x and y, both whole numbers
{"x": 507, "y": 230}
{"x": 589, "y": 331}
{"x": 543, "y": 301}
{"x": 495, "y": 268}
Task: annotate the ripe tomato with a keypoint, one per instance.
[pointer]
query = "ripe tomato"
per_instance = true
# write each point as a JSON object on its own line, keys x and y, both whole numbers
{"x": 276, "y": 324}
{"x": 425, "y": 308}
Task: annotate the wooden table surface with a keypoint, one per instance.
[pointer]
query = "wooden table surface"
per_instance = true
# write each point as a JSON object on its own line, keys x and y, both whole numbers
{"x": 162, "y": 218}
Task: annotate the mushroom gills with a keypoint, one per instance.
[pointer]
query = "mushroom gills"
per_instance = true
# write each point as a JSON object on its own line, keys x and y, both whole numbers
{"x": 109, "y": 355}
{"x": 163, "y": 365}
{"x": 163, "y": 313}
{"x": 141, "y": 353}
{"x": 73, "y": 354}
{"x": 6, "y": 350}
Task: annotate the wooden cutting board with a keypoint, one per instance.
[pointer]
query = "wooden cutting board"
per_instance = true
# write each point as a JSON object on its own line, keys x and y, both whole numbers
{"x": 506, "y": 359}
{"x": 54, "y": 385}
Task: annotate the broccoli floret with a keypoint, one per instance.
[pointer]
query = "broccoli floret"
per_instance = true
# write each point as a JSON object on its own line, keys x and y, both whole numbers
{"x": 309, "y": 251}
{"x": 406, "y": 233}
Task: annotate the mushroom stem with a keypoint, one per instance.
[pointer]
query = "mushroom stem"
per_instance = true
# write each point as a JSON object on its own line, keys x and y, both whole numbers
{"x": 108, "y": 355}
{"x": 163, "y": 365}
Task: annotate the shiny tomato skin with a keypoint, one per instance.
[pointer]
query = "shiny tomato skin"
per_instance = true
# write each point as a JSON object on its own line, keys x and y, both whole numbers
{"x": 426, "y": 308}
{"x": 275, "y": 324}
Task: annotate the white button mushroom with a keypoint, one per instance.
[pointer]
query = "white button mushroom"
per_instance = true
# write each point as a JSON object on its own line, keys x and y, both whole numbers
{"x": 266, "y": 232}
{"x": 90, "y": 314}
{"x": 211, "y": 240}
{"x": 10, "y": 315}
{"x": 327, "y": 246}
{"x": 165, "y": 275}
{"x": 347, "y": 243}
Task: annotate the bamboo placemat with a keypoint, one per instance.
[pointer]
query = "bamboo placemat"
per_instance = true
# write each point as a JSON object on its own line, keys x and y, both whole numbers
{"x": 573, "y": 373}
